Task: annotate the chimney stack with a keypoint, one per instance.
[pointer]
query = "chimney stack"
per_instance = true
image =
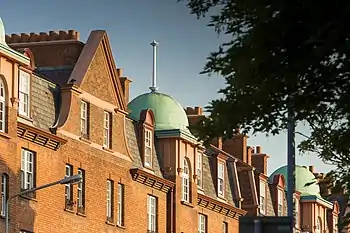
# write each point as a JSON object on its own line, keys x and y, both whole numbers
{"x": 237, "y": 146}
{"x": 312, "y": 169}
{"x": 259, "y": 160}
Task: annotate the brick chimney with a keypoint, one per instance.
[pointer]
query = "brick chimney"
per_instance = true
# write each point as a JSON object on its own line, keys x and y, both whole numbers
{"x": 195, "y": 115}
{"x": 312, "y": 169}
{"x": 237, "y": 146}
{"x": 125, "y": 82}
{"x": 217, "y": 142}
{"x": 259, "y": 160}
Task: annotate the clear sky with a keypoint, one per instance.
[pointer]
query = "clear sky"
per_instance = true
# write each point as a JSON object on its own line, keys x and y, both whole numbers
{"x": 131, "y": 25}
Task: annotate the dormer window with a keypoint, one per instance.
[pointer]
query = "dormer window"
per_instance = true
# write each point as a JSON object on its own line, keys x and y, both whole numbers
{"x": 107, "y": 129}
{"x": 199, "y": 169}
{"x": 148, "y": 148}
{"x": 24, "y": 93}
{"x": 221, "y": 179}
{"x": 262, "y": 196}
{"x": 185, "y": 182}
{"x": 280, "y": 202}
{"x": 84, "y": 124}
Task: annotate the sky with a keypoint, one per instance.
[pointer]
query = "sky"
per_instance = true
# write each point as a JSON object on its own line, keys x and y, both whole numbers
{"x": 184, "y": 44}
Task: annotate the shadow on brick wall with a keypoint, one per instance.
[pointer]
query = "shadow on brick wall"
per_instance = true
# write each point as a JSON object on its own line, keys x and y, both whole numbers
{"x": 21, "y": 208}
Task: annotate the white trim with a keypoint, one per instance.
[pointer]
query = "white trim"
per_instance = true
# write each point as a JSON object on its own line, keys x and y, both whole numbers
{"x": 24, "y": 93}
{"x": 199, "y": 169}
{"x": 202, "y": 223}
{"x": 4, "y": 192}
{"x": 27, "y": 169}
{"x": 148, "y": 148}
{"x": 151, "y": 213}
{"x": 120, "y": 203}
{"x": 84, "y": 118}
{"x": 185, "y": 182}
{"x": 221, "y": 179}
{"x": 2, "y": 106}
{"x": 106, "y": 129}
{"x": 109, "y": 199}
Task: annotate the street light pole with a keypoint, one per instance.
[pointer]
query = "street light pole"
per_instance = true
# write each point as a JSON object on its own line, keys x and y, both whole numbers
{"x": 68, "y": 180}
{"x": 291, "y": 161}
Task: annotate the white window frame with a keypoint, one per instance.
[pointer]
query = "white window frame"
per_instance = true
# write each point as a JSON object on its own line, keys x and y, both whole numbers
{"x": 202, "y": 223}
{"x": 84, "y": 118}
{"x": 221, "y": 179}
{"x": 185, "y": 181}
{"x": 4, "y": 192}
{"x": 280, "y": 202}
{"x": 2, "y": 106}
{"x": 199, "y": 169}
{"x": 148, "y": 148}
{"x": 110, "y": 196}
{"x": 262, "y": 199}
{"x": 120, "y": 217}
{"x": 27, "y": 169}
{"x": 68, "y": 188}
{"x": 151, "y": 214}
{"x": 106, "y": 129}
{"x": 24, "y": 93}
{"x": 80, "y": 189}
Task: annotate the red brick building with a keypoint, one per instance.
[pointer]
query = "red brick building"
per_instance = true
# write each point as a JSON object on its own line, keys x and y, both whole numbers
{"x": 64, "y": 110}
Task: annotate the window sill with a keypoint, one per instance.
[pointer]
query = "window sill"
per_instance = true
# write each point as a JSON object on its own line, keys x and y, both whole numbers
{"x": 84, "y": 140}
{"x": 81, "y": 214}
{"x": 121, "y": 227}
{"x": 107, "y": 149}
{"x": 110, "y": 223}
{"x": 185, "y": 203}
{"x": 5, "y": 135}
{"x": 222, "y": 198}
{"x": 69, "y": 211}
{"x": 26, "y": 118}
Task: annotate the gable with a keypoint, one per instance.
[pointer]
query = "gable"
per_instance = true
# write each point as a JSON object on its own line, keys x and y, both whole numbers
{"x": 98, "y": 81}
{"x": 96, "y": 73}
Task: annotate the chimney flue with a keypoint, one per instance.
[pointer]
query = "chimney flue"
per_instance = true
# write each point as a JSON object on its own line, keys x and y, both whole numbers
{"x": 312, "y": 169}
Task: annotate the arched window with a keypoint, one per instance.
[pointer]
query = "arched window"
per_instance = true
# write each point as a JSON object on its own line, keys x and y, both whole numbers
{"x": 185, "y": 181}
{"x": 318, "y": 226}
{"x": 2, "y": 106}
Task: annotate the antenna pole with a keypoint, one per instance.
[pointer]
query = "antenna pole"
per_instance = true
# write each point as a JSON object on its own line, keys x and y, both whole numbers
{"x": 154, "y": 87}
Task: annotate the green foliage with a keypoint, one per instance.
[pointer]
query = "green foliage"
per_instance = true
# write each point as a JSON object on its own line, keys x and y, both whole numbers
{"x": 282, "y": 54}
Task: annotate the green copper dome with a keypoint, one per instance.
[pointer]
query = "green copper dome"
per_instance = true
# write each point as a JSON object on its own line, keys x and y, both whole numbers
{"x": 168, "y": 113}
{"x": 2, "y": 33}
{"x": 305, "y": 181}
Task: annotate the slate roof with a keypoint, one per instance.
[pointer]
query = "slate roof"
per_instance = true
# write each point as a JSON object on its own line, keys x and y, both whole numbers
{"x": 45, "y": 102}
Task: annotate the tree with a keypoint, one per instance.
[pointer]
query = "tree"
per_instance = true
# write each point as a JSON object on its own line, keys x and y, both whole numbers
{"x": 283, "y": 55}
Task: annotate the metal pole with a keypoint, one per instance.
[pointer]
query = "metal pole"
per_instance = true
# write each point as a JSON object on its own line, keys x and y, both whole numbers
{"x": 291, "y": 163}
{"x": 154, "y": 77}
{"x": 22, "y": 193}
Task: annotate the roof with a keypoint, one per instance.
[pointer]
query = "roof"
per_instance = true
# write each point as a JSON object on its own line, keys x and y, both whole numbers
{"x": 305, "y": 181}
{"x": 168, "y": 113}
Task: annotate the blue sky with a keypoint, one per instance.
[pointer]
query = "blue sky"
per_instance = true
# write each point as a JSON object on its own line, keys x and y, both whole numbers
{"x": 185, "y": 42}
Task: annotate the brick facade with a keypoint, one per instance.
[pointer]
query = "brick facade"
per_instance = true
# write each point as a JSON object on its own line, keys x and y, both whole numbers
{"x": 65, "y": 72}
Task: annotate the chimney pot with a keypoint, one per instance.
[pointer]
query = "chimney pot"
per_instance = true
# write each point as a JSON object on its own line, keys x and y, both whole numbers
{"x": 258, "y": 149}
